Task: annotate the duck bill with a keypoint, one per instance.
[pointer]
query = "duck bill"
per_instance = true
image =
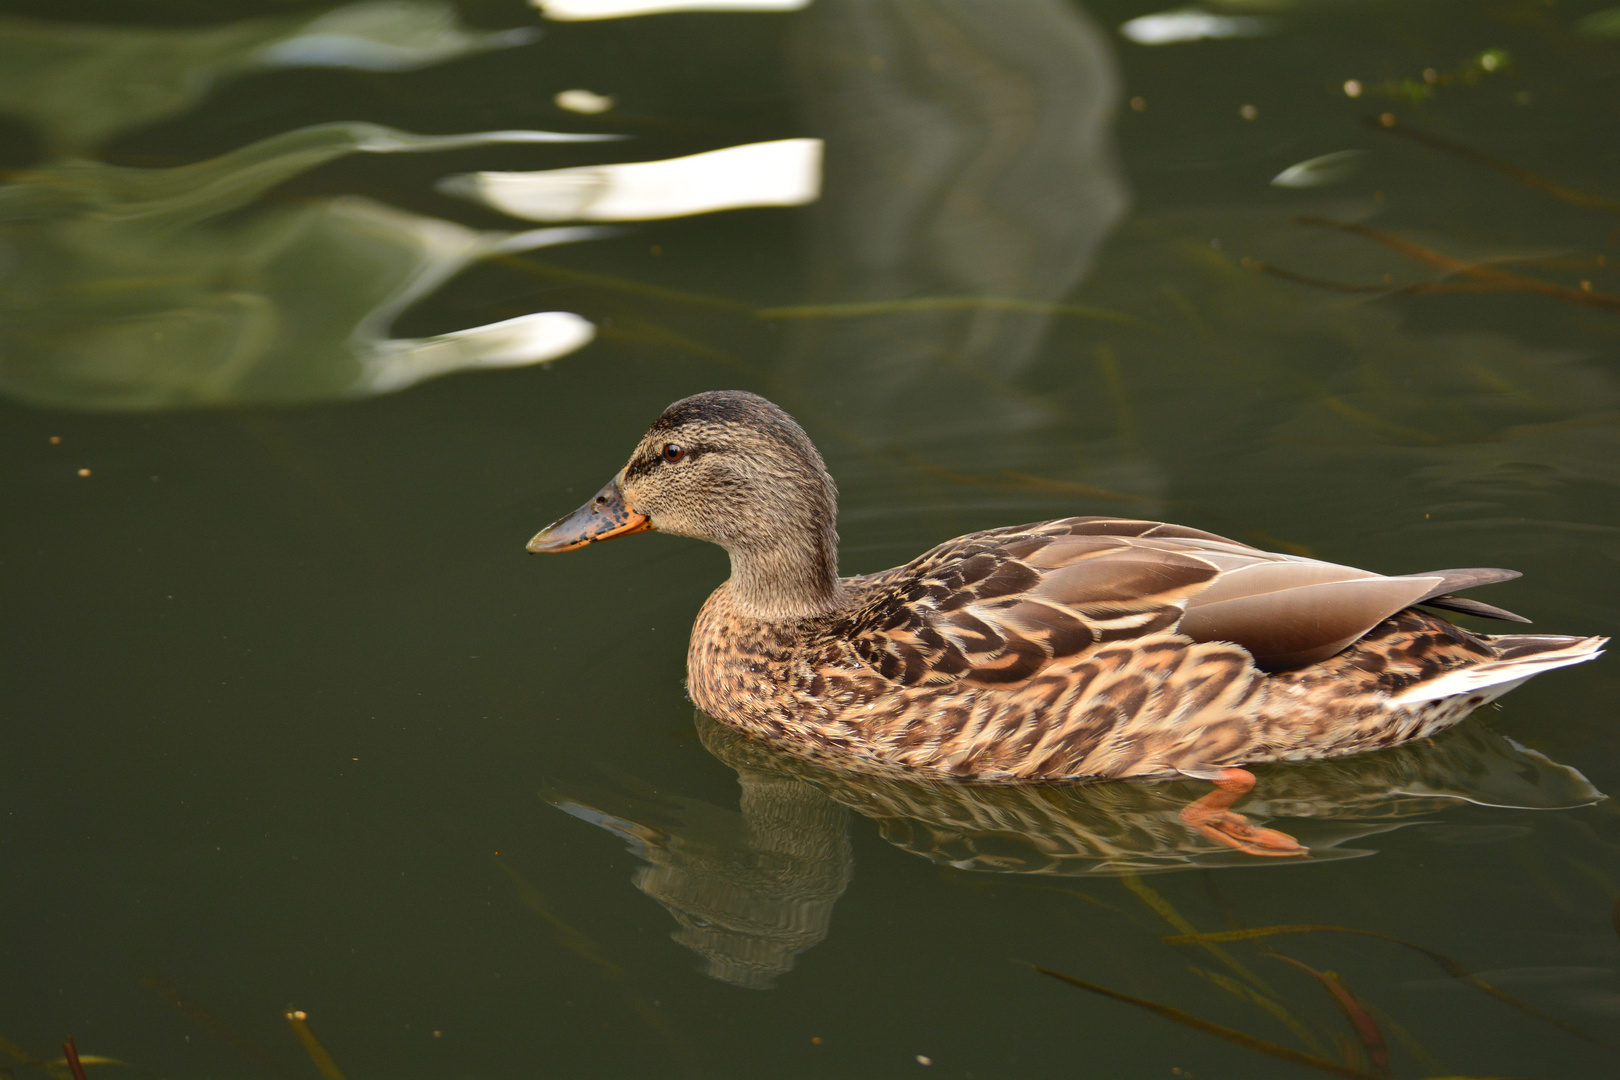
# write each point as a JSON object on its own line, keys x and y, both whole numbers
{"x": 603, "y": 518}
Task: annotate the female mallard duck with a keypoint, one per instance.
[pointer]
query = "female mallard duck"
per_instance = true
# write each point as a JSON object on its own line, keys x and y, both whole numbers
{"x": 1080, "y": 648}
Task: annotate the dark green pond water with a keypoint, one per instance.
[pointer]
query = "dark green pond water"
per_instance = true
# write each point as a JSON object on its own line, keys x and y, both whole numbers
{"x": 290, "y": 722}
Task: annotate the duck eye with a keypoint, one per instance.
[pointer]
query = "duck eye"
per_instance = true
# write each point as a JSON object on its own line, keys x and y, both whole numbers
{"x": 674, "y": 452}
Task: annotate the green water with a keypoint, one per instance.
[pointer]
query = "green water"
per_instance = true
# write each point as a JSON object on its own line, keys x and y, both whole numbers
{"x": 291, "y": 722}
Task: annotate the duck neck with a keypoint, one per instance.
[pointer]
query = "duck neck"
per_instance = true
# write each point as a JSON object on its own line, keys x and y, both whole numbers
{"x": 788, "y": 577}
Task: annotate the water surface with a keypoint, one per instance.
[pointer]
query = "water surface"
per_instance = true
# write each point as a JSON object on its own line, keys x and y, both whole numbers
{"x": 290, "y": 721}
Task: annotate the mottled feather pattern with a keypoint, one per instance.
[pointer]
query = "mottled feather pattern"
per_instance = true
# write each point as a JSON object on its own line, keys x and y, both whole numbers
{"x": 995, "y": 608}
{"x": 1050, "y": 651}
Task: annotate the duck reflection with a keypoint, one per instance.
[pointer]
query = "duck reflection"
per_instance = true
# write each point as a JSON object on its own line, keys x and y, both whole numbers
{"x": 752, "y": 889}
{"x": 969, "y": 157}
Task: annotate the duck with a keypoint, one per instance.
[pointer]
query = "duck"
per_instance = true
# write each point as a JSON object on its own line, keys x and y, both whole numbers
{"x": 1080, "y": 649}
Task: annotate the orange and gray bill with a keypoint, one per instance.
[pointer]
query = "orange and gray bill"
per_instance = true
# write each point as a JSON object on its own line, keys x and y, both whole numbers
{"x": 603, "y": 518}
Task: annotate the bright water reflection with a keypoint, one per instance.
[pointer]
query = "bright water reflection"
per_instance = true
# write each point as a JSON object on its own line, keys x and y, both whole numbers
{"x": 786, "y": 172}
{"x": 574, "y": 10}
{"x": 79, "y": 83}
{"x": 144, "y": 289}
{"x": 281, "y": 683}
{"x": 1190, "y": 24}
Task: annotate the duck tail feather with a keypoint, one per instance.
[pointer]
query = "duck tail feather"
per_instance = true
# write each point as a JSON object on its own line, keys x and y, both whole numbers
{"x": 1472, "y": 607}
{"x": 1519, "y": 656}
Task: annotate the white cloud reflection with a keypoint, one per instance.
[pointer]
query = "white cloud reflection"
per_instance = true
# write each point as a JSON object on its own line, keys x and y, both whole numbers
{"x": 1191, "y": 24}
{"x": 786, "y": 172}
{"x": 577, "y": 10}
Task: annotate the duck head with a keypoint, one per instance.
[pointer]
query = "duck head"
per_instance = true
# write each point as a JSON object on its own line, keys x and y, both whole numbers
{"x": 731, "y": 468}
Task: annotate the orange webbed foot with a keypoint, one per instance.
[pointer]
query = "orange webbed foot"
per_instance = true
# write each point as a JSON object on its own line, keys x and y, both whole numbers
{"x": 1213, "y": 817}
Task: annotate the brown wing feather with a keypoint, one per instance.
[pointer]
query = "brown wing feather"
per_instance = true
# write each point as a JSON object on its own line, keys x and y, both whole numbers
{"x": 997, "y": 608}
{"x": 1289, "y": 628}
{"x": 1473, "y": 607}
{"x": 1291, "y": 612}
{"x": 1457, "y": 580}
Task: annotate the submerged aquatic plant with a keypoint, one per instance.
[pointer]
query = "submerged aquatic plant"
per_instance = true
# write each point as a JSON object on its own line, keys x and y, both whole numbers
{"x": 298, "y": 1020}
{"x": 70, "y": 1066}
{"x": 1423, "y": 86}
{"x": 1476, "y": 276}
{"x": 1366, "y": 1058}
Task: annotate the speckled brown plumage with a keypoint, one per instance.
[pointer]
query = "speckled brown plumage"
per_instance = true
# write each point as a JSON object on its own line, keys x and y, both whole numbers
{"x": 1083, "y": 647}
{"x": 934, "y": 671}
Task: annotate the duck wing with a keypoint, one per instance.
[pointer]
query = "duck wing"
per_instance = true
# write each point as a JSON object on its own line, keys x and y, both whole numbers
{"x": 997, "y": 608}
